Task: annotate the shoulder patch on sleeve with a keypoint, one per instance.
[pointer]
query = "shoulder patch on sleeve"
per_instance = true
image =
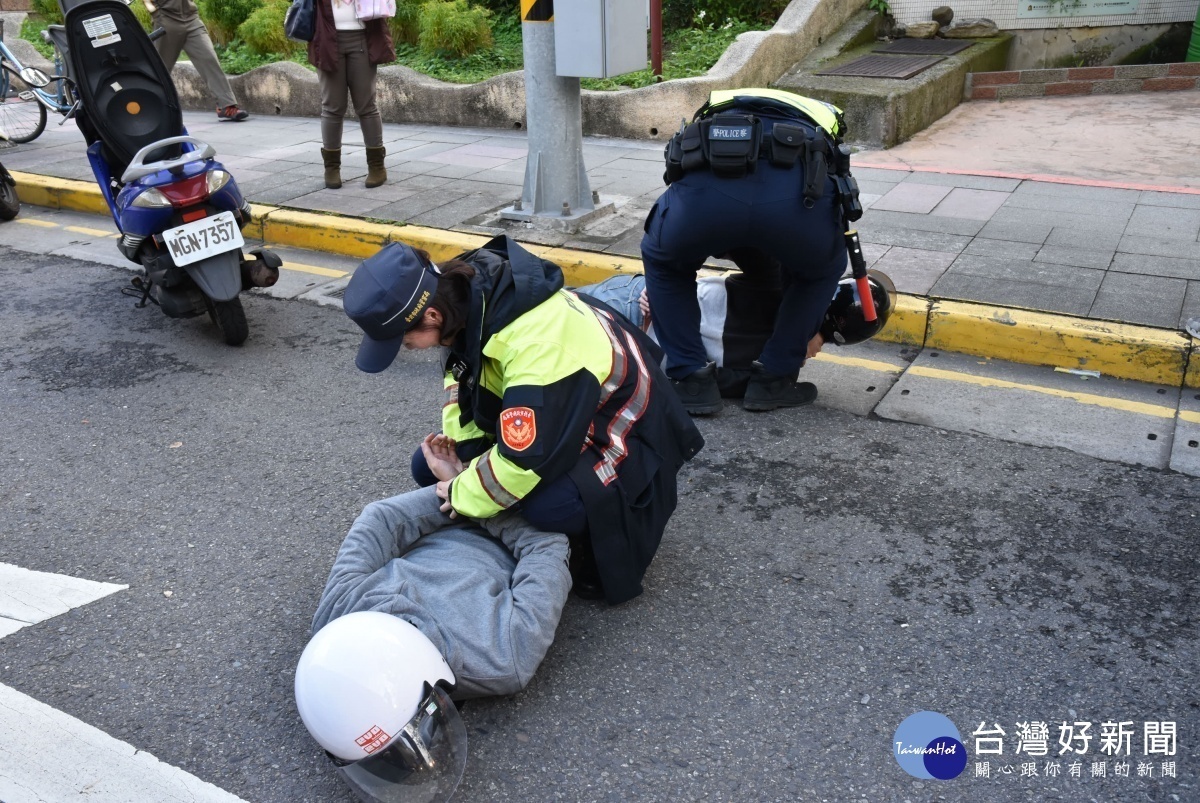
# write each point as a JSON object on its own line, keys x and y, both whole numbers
{"x": 518, "y": 428}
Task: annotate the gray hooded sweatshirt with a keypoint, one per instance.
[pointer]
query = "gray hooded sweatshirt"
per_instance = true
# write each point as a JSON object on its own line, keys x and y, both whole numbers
{"x": 487, "y": 594}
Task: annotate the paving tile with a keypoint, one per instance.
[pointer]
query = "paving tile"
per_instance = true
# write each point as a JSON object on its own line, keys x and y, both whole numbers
{"x": 1079, "y": 257}
{"x": 926, "y": 240}
{"x": 914, "y": 270}
{"x": 914, "y": 198}
{"x": 1010, "y": 293}
{"x": 1044, "y": 218}
{"x": 453, "y": 171}
{"x": 1149, "y": 300}
{"x": 505, "y": 152}
{"x": 457, "y": 157}
{"x": 341, "y": 202}
{"x": 966, "y": 182}
{"x": 408, "y": 208}
{"x": 1191, "y": 307}
{"x": 877, "y": 188}
{"x": 1167, "y": 222}
{"x": 1076, "y": 238}
{"x": 1157, "y": 266}
{"x": 972, "y": 204}
{"x": 508, "y": 178}
{"x": 424, "y": 181}
{"x": 387, "y": 193}
{"x": 284, "y": 193}
{"x": 1176, "y": 199}
{"x": 1158, "y": 246}
{"x": 422, "y": 152}
{"x": 452, "y": 215}
{"x": 1002, "y": 249}
{"x": 907, "y": 220}
{"x": 878, "y": 174}
{"x": 1077, "y": 191}
{"x": 1060, "y": 276}
{"x": 1115, "y": 210}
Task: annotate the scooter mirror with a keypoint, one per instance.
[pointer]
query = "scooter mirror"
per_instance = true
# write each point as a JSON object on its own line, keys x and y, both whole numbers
{"x": 34, "y": 77}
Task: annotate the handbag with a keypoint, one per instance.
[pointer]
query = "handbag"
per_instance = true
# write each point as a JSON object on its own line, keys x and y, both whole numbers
{"x": 300, "y": 22}
{"x": 374, "y": 9}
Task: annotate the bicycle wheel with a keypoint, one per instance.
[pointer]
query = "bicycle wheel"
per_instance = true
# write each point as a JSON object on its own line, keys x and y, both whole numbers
{"x": 21, "y": 120}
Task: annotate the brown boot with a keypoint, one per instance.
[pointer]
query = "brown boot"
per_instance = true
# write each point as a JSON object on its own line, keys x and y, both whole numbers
{"x": 333, "y": 167}
{"x": 376, "y": 173}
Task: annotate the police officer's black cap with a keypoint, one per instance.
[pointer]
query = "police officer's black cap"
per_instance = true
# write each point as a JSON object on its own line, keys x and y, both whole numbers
{"x": 387, "y": 296}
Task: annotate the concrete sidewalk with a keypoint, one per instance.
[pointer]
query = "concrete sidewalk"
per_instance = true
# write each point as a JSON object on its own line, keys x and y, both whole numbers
{"x": 1087, "y": 227}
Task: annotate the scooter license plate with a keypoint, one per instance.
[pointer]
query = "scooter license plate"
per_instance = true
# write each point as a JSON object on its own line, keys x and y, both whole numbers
{"x": 203, "y": 238}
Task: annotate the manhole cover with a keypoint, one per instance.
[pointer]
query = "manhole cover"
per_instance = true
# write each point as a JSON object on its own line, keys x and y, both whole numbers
{"x": 884, "y": 66}
{"x": 925, "y": 47}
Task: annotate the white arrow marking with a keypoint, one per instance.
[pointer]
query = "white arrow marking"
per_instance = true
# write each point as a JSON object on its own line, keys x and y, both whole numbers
{"x": 48, "y": 756}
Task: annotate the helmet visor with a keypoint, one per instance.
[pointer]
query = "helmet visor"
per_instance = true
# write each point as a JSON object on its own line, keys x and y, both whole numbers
{"x": 423, "y": 764}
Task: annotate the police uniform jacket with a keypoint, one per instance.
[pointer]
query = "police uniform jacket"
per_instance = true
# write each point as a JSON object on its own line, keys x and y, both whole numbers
{"x": 542, "y": 383}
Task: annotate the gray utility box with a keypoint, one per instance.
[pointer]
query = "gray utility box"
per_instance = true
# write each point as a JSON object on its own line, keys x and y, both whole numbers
{"x": 600, "y": 38}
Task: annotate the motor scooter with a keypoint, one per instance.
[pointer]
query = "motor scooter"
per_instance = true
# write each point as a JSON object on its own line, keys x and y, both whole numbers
{"x": 178, "y": 210}
{"x": 10, "y": 204}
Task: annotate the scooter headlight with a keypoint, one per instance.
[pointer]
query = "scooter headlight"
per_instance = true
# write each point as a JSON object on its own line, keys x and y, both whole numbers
{"x": 216, "y": 180}
{"x": 151, "y": 199}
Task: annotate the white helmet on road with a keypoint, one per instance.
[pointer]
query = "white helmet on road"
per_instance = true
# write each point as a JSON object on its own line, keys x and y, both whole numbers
{"x": 369, "y": 687}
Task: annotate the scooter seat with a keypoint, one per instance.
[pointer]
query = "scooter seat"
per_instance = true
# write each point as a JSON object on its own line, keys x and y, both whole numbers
{"x": 126, "y": 93}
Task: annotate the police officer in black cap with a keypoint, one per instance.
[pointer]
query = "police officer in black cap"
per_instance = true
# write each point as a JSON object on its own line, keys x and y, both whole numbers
{"x": 758, "y": 177}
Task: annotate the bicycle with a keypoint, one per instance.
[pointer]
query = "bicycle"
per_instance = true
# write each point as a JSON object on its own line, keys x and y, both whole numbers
{"x": 24, "y": 97}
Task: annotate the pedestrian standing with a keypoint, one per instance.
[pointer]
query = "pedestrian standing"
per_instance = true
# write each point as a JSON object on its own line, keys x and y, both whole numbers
{"x": 346, "y": 52}
{"x": 184, "y": 32}
{"x": 757, "y": 176}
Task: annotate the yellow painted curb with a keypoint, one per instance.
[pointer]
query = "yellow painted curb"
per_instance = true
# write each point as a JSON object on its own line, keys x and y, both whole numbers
{"x": 908, "y": 321}
{"x": 59, "y": 193}
{"x": 1119, "y": 350}
{"x": 1114, "y": 349}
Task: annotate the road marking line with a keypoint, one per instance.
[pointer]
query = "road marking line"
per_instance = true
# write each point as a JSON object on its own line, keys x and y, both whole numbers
{"x": 1189, "y": 416}
{"x": 860, "y": 362}
{"x": 1156, "y": 410}
{"x": 104, "y": 769}
{"x": 45, "y": 224}
{"x": 335, "y": 274}
{"x": 93, "y": 232}
{"x": 28, "y": 597}
{"x": 84, "y": 762}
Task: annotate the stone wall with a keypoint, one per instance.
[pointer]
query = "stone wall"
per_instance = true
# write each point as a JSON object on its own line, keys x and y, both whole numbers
{"x": 757, "y": 58}
{"x": 1081, "y": 81}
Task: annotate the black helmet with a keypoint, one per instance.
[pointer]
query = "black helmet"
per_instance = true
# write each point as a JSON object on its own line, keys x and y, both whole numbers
{"x": 844, "y": 323}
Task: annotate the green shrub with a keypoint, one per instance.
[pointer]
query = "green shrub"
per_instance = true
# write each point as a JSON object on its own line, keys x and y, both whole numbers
{"x": 406, "y": 25}
{"x": 263, "y": 30}
{"x": 49, "y": 11}
{"x": 454, "y": 27}
{"x": 224, "y": 17}
{"x": 143, "y": 15}
{"x": 679, "y": 14}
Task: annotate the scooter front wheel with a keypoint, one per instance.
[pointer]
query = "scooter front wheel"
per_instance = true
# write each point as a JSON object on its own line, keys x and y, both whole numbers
{"x": 230, "y": 318}
{"x": 9, "y": 203}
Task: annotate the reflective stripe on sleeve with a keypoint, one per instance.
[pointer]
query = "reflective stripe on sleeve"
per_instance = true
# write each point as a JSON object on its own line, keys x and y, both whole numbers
{"x": 491, "y": 483}
{"x": 633, "y": 409}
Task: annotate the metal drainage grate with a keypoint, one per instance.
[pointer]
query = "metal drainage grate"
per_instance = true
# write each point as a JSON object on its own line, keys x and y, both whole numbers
{"x": 925, "y": 47}
{"x": 884, "y": 66}
{"x": 338, "y": 293}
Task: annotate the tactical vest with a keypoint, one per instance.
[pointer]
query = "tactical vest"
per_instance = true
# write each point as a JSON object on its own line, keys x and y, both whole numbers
{"x": 726, "y": 136}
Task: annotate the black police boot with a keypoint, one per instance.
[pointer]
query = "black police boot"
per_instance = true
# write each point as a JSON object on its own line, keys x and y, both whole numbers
{"x": 585, "y": 575}
{"x": 698, "y": 391}
{"x": 768, "y": 391}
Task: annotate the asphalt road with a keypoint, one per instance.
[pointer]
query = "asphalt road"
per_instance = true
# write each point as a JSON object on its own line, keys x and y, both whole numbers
{"x": 826, "y": 576}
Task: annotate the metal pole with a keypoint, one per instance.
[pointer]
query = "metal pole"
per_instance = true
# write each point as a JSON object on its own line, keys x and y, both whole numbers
{"x": 556, "y": 181}
{"x": 656, "y": 39}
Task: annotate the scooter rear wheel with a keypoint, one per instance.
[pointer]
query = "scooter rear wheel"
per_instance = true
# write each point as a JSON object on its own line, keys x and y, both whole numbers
{"x": 230, "y": 318}
{"x": 9, "y": 203}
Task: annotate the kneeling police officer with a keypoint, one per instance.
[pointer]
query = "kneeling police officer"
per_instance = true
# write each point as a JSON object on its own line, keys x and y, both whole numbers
{"x": 760, "y": 177}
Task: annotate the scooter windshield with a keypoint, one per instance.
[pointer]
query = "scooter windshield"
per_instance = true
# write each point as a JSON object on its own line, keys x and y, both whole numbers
{"x": 423, "y": 764}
